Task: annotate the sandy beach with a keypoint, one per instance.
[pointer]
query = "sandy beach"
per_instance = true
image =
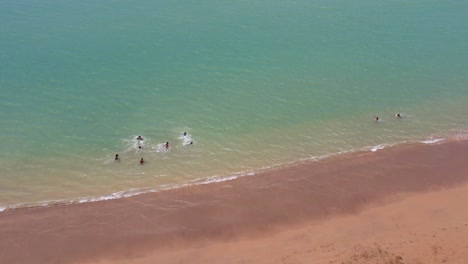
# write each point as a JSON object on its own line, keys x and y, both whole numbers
{"x": 403, "y": 204}
{"x": 424, "y": 228}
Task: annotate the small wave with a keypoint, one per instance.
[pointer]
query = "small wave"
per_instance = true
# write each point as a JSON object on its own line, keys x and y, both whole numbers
{"x": 133, "y": 143}
{"x": 378, "y": 147}
{"x": 215, "y": 179}
{"x": 160, "y": 148}
{"x": 432, "y": 141}
{"x": 461, "y": 135}
{"x": 186, "y": 139}
{"x": 112, "y": 196}
{"x": 218, "y": 179}
{"x": 128, "y": 193}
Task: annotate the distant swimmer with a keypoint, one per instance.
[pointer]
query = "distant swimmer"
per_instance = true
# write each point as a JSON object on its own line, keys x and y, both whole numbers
{"x": 139, "y": 138}
{"x": 142, "y": 161}
{"x": 117, "y": 158}
{"x": 376, "y": 118}
{"x": 185, "y": 134}
{"x": 398, "y": 115}
{"x": 166, "y": 145}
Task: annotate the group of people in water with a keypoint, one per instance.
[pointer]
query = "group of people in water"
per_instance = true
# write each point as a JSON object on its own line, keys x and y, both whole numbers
{"x": 140, "y": 138}
{"x": 166, "y": 145}
{"x": 397, "y": 115}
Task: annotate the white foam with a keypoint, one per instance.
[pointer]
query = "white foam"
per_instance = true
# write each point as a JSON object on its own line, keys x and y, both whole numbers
{"x": 160, "y": 148}
{"x": 432, "y": 141}
{"x": 186, "y": 139}
{"x": 461, "y": 135}
{"x": 378, "y": 147}
{"x": 133, "y": 143}
{"x": 112, "y": 196}
{"x": 218, "y": 179}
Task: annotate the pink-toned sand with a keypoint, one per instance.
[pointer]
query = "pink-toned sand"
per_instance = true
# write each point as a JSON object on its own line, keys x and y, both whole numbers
{"x": 426, "y": 228}
{"x": 406, "y": 204}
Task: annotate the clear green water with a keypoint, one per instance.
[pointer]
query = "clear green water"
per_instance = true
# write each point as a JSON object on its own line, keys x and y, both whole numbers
{"x": 256, "y": 84}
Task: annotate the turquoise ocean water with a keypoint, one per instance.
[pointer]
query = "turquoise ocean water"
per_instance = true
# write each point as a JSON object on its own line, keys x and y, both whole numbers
{"x": 255, "y": 84}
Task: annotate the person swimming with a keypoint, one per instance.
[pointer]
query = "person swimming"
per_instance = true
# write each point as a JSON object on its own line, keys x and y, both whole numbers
{"x": 398, "y": 115}
{"x": 142, "y": 161}
{"x": 185, "y": 134}
{"x": 139, "y": 138}
{"x": 376, "y": 118}
{"x": 166, "y": 146}
{"x": 117, "y": 158}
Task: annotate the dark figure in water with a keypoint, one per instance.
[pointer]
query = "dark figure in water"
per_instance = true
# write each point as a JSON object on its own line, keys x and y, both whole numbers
{"x": 185, "y": 134}
{"x": 142, "y": 161}
{"x": 166, "y": 145}
{"x": 117, "y": 158}
{"x": 398, "y": 115}
{"x": 139, "y": 138}
{"x": 376, "y": 118}
{"x": 139, "y": 147}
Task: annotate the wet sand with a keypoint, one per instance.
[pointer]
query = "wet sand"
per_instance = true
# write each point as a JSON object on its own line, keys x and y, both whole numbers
{"x": 390, "y": 206}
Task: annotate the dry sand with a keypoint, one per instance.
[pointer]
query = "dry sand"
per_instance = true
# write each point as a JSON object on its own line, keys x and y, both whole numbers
{"x": 406, "y": 204}
{"x": 421, "y": 229}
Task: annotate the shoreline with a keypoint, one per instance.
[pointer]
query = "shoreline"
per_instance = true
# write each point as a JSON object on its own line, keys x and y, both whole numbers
{"x": 258, "y": 206}
{"x": 122, "y": 194}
